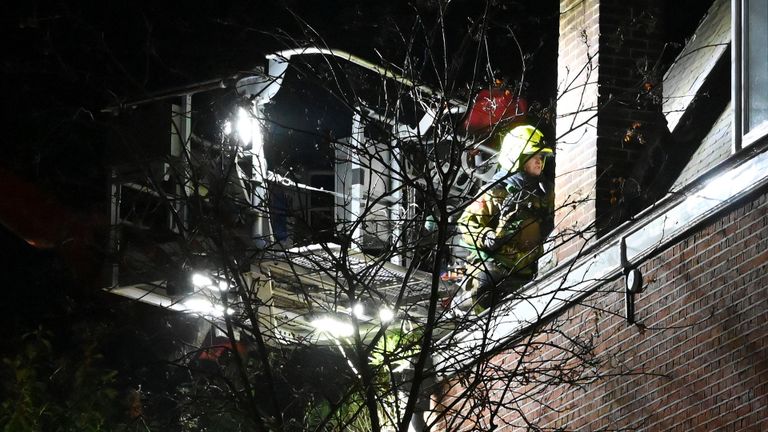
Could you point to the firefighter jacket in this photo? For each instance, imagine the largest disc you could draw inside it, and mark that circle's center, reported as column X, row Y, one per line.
column 516, row 215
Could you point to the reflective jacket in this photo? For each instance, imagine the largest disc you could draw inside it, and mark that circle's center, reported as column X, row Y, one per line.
column 519, row 211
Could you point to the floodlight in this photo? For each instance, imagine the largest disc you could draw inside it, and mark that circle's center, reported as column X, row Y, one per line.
column 358, row 310
column 205, row 307
column 333, row 327
column 200, row 280
column 386, row 315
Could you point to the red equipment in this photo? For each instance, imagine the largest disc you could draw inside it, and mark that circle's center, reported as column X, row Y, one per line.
column 491, row 106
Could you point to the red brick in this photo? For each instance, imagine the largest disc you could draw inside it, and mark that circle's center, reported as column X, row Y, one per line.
column 710, row 343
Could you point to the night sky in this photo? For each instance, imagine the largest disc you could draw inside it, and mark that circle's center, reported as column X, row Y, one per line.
column 62, row 62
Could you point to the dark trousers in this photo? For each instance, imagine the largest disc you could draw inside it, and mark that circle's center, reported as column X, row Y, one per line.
column 490, row 283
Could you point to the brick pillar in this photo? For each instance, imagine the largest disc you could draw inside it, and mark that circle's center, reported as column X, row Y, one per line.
column 606, row 83
column 577, row 77
column 631, row 44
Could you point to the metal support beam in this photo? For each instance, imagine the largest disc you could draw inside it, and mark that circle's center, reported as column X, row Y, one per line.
column 262, row 230
column 115, row 191
column 181, row 132
column 398, row 210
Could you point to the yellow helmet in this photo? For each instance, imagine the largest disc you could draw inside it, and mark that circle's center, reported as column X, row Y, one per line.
column 519, row 144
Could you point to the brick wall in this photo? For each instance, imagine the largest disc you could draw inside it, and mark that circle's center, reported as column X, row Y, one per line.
column 576, row 170
column 608, row 79
column 631, row 43
column 698, row 360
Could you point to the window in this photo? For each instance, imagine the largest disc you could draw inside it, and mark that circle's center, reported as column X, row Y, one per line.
column 754, row 73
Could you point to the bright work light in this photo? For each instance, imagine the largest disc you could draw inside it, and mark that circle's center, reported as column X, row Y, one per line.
column 333, row 327
column 358, row 310
column 245, row 126
column 200, row 280
column 205, row 307
column 386, row 315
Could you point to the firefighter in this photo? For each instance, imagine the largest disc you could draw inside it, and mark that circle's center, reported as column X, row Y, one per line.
column 505, row 227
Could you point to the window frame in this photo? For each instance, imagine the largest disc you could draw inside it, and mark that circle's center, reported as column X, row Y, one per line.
column 740, row 63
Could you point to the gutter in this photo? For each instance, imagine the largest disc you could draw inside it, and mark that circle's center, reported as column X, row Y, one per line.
column 271, row 82
column 285, row 56
column 214, row 84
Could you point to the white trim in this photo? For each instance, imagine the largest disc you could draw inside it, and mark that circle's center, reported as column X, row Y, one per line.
column 736, row 74
column 755, row 134
column 741, row 30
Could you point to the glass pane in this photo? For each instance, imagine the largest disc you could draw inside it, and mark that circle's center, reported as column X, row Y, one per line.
column 756, row 82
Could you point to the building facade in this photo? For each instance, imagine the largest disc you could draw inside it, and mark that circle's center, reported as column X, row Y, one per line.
column 660, row 289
